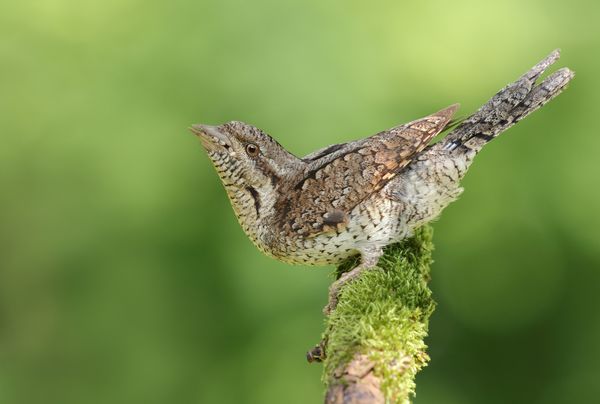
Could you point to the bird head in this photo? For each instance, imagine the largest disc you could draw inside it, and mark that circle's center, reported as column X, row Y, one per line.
column 244, row 156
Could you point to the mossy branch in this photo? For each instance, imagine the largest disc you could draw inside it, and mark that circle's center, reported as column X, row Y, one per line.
column 375, row 335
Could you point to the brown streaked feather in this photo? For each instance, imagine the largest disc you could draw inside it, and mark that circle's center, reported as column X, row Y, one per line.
column 340, row 177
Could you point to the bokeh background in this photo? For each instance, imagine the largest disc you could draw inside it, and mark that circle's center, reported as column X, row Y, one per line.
column 124, row 277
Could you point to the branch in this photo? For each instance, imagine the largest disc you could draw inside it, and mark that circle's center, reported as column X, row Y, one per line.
column 375, row 335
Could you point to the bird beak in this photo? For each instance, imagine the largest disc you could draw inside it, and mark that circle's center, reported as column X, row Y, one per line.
column 211, row 137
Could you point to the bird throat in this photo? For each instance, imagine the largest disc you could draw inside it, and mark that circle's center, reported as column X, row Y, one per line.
column 252, row 207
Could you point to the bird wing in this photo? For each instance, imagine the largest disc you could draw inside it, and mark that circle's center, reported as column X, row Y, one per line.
column 339, row 177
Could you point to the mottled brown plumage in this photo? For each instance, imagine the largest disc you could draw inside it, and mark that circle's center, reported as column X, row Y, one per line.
column 340, row 177
column 357, row 197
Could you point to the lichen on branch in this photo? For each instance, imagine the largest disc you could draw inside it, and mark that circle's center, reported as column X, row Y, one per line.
column 375, row 336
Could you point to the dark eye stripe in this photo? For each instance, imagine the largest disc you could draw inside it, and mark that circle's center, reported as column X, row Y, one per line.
column 256, row 197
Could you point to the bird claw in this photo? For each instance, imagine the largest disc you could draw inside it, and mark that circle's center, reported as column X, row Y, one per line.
column 331, row 305
column 336, row 288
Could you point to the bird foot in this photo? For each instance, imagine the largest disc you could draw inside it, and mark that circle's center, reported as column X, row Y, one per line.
column 336, row 287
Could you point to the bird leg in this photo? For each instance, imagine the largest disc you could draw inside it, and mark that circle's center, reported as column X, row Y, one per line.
column 370, row 257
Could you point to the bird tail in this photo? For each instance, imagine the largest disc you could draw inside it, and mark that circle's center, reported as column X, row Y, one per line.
column 511, row 104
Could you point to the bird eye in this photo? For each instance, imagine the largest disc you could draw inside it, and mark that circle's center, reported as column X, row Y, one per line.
column 252, row 149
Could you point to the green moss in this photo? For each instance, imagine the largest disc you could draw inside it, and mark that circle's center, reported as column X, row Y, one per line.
column 384, row 314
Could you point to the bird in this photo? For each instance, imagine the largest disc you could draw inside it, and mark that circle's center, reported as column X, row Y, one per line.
column 355, row 198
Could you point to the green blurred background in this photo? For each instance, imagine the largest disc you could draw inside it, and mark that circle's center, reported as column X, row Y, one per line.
column 124, row 276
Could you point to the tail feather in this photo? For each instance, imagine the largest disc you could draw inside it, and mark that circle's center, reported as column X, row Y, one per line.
column 511, row 104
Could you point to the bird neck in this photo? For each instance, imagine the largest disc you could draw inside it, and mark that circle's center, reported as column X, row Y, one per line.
column 254, row 208
column 255, row 205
